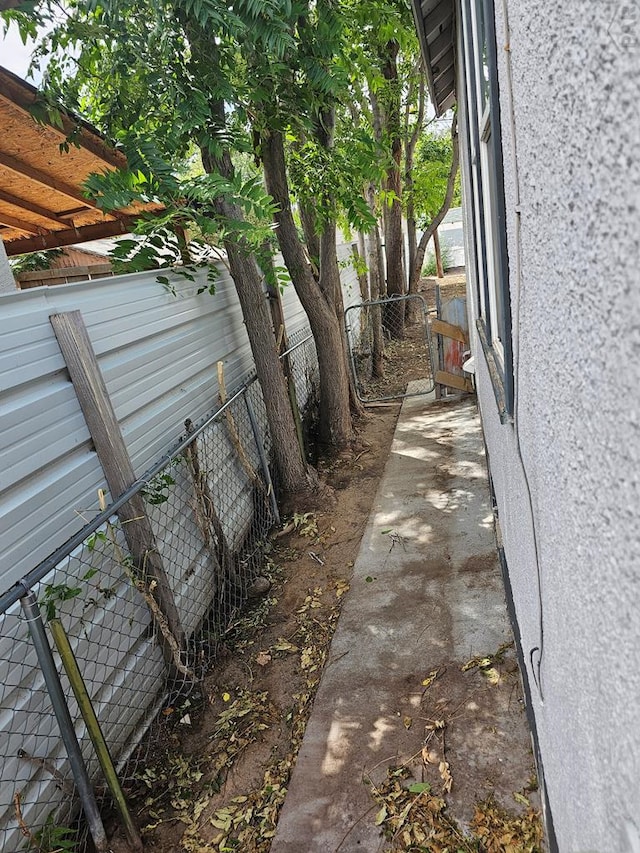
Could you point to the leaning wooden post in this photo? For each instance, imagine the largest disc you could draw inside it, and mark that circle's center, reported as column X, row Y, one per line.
column 88, row 382
column 438, row 253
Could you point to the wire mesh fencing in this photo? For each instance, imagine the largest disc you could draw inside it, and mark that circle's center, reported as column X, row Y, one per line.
column 390, row 347
column 144, row 630
column 303, row 363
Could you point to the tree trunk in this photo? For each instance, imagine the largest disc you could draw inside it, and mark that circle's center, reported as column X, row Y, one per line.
column 392, row 184
column 265, row 261
column 292, row 472
column 440, row 215
column 376, row 117
column 360, row 252
column 412, row 239
column 331, row 285
column 410, row 147
column 375, row 287
column 329, row 268
column 335, row 417
column 311, row 236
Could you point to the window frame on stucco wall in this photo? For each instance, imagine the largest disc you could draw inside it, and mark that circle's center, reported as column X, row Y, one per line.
column 482, row 109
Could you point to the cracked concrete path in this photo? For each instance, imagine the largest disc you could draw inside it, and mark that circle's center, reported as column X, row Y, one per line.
column 426, row 595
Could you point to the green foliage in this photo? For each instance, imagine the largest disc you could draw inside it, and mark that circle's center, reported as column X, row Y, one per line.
column 34, row 261
column 356, row 262
column 56, row 594
column 52, row 838
column 166, row 78
column 152, row 76
column 333, row 179
column 430, row 268
column 430, row 174
column 279, row 277
column 157, row 489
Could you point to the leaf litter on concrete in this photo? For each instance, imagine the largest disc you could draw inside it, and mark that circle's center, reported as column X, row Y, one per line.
column 417, row 800
column 414, row 818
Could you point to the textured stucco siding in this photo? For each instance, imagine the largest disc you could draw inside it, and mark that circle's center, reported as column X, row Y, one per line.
column 7, row 281
column 570, row 131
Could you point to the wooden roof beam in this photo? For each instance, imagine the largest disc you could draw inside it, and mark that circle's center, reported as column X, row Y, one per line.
column 55, row 239
column 43, row 212
column 73, row 211
column 14, row 222
column 33, row 174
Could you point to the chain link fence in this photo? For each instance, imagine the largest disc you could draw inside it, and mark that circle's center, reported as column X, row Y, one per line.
column 390, row 346
column 144, row 635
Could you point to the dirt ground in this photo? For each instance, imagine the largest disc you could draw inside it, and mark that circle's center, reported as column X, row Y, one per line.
column 407, row 360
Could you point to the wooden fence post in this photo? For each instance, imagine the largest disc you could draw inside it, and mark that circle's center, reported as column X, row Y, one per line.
column 88, row 382
column 438, row 253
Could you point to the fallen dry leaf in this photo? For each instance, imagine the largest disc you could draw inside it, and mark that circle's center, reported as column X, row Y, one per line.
column 428, row 681
column 429, row 756
column 445, row 775
column 283, row 645
column 263, row 658
column 342, row 586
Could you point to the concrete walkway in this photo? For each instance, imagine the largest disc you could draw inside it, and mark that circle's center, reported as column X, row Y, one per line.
column 426, row 594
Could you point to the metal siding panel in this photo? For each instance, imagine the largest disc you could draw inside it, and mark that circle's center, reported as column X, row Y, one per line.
column 44, row 432
column 42, row 511
column 130, row 319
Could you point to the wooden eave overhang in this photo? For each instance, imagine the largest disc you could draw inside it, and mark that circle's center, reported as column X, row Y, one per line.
column 42, row 201
column 435, row 22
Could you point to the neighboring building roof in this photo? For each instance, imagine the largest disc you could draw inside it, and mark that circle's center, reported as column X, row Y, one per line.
column 436, row 25
column 453, row 215
column 42, row 203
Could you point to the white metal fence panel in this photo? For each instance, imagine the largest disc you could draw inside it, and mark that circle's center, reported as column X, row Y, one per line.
column 158, row 353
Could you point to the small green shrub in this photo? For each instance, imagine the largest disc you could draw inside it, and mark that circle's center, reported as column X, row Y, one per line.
column 429, row 266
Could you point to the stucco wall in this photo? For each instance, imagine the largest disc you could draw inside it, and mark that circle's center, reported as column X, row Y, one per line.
column 572, row 186
column 7, row 281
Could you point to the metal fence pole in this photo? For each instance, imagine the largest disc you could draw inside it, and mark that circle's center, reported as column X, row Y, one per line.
column 33, row 616
column 263, row 457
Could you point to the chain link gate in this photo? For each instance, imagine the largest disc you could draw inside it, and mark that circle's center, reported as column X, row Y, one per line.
column 390, row 346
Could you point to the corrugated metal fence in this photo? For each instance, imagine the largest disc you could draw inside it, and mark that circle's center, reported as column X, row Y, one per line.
column 207, row 503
